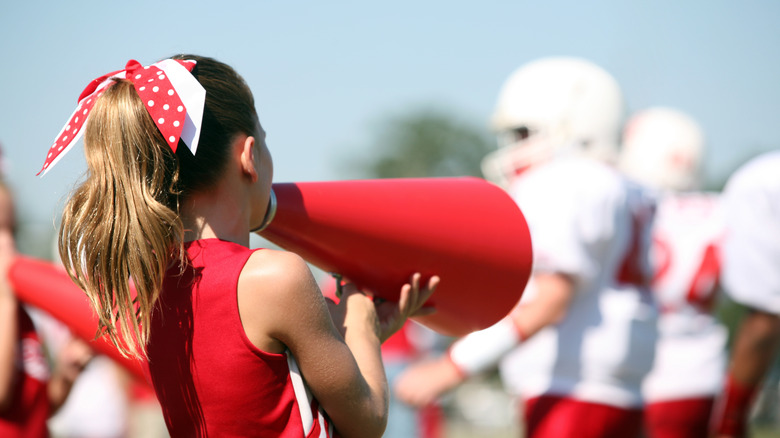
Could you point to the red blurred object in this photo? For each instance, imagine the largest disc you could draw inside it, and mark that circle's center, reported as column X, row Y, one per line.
column 46, row 286
column 378, row 232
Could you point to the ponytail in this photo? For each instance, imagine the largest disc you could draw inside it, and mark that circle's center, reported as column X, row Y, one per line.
column 122, row 223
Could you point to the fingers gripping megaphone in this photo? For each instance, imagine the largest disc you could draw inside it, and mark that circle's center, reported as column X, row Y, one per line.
column 378, row 232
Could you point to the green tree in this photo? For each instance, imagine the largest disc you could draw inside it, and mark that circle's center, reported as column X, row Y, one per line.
column 427, row 142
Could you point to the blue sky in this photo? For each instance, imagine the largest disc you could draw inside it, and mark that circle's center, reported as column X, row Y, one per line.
column 324, row 72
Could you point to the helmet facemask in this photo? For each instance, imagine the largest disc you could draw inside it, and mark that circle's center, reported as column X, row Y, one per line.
column 551, row 108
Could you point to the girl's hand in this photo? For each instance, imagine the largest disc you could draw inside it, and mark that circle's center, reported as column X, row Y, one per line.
column 355, row 310
column 393, row 315
column 382, row 317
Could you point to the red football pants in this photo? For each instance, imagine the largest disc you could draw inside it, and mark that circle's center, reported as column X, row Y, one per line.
column 551, row 416
column 689, row 418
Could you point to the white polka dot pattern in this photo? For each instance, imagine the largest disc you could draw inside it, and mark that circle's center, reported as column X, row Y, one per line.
column 157, row 103
column 160, row 106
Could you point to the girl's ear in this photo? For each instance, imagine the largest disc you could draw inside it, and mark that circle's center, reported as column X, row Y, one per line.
column 248, row 157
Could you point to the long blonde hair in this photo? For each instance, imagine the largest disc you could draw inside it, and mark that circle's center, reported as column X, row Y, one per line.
column 122, row 223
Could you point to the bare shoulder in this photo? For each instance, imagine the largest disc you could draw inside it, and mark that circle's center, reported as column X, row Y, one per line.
column 279, row 275
column 275, row 289
column 276, row 266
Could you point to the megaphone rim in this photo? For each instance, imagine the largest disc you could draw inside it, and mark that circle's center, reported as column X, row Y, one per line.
column 270, row 213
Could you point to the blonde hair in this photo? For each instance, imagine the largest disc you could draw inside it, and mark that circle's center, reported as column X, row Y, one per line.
column 122, row 223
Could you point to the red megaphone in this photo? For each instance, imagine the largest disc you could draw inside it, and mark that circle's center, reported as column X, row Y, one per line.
column 378, row 232
column 48, row 287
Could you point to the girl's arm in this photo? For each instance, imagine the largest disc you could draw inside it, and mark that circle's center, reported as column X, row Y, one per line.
column 9, row 337
column 281, row 306
column 9, row 328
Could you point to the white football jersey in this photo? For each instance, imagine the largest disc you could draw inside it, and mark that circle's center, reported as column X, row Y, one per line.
column 590, row 223
column 690, row 354
column 751, row 248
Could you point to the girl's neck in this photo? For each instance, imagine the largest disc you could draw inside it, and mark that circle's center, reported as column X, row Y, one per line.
column 218, row 214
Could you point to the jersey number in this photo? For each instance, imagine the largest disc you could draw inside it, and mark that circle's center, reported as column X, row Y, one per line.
column 704, row 284
column 633, row 270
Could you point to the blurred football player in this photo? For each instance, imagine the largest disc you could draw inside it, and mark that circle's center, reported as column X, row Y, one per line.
column 751, row 276
column 577, row 346
column 663, row 149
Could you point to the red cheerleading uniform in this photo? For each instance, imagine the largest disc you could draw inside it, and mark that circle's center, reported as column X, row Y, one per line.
column 208, row 376
column 26, row 418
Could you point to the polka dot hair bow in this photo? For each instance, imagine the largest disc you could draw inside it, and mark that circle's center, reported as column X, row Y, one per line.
column 172, row 96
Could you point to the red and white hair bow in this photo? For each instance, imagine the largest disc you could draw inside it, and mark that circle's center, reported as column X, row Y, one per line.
column 172, row 96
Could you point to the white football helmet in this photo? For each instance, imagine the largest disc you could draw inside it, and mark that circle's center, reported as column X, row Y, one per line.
column 663, row 148
column 550, row 107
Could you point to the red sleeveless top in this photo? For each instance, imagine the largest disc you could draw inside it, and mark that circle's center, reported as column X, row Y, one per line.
column 209, row 378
